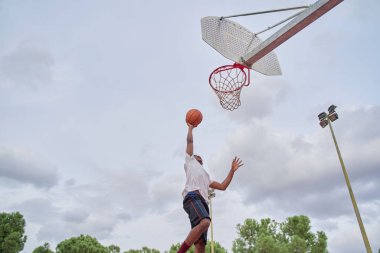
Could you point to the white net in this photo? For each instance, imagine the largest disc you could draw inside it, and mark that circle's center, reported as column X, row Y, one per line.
column 227, row 82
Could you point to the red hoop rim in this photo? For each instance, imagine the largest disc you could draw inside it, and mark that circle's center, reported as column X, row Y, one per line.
column 229, row 67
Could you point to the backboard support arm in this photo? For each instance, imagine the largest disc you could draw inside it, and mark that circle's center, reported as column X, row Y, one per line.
column 265, row 12
column 304, row 19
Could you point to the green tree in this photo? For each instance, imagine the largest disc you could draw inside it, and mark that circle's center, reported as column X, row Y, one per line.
column 81, row 244
column 12, row 229
column 217, row 248
column 269, row 236
column 143, row 250
column 113, row 249
column 175, row 247
column 43, row 249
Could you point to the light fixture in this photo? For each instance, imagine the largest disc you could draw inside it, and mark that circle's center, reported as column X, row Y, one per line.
column 331, row 109
column 333, row 116
column 323, row 123
column 323, row 119
column 322, row 115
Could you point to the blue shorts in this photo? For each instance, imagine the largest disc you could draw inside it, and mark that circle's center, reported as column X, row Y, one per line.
column 197, row 209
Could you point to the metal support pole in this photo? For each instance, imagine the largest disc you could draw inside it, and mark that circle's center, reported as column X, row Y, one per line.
column 279, row 23
column 362, row 230
column 264, row 12
column 211, row 194
column 308, row 16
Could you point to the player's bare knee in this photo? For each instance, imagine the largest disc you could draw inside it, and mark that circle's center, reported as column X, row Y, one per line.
column 205, row 223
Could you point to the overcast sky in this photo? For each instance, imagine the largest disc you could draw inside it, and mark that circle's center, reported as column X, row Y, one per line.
column 93, row 97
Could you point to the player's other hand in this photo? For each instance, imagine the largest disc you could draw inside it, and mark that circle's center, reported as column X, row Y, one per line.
column 236, row 164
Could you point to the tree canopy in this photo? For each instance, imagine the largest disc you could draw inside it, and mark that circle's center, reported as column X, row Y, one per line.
column 294, row 235
column 143, row 250
column 269, row 236
column 43, row 249
column 12, row 229
column 81, row 244
column 217, row 248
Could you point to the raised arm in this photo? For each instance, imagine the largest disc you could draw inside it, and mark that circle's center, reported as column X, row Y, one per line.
column 236, row 164
column 189, row 140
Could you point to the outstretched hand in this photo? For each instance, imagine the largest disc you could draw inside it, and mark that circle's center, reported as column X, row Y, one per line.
column 236, row 164
column 190, row 125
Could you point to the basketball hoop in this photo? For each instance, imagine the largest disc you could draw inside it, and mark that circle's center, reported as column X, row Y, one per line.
column 234, row 41
column 248, row 51
column 227, row 82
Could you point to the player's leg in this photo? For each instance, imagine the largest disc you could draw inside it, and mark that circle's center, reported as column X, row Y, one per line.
column 200, row 247
column 195, row 236
column 197, row 209
column 197, row 231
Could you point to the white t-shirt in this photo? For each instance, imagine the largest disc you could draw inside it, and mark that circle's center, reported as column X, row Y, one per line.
column 197, row 177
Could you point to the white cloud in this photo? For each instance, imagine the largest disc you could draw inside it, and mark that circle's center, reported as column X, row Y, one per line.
column 27, row 66
column 260, row 98
column 287, row 173
column 26, row 166
column 279, row 162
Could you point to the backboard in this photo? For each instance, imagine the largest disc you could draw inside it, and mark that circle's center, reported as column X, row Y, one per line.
column 234, row 41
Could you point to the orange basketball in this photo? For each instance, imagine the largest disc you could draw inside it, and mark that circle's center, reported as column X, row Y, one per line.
column 194, row 117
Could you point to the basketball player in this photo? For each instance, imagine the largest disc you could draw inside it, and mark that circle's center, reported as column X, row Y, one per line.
column 196, row 194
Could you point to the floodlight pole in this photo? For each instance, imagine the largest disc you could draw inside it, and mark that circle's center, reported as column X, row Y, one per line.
column 211, row 194
column 358, row 217
column 356, row 209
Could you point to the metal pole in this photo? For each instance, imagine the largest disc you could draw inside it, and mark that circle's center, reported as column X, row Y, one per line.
column 210, row 196
column 279, row 23
column 362, row 230
column 297, row 24
column 264, row 12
